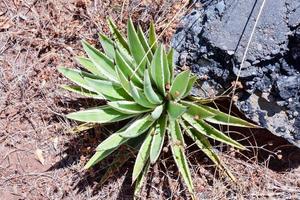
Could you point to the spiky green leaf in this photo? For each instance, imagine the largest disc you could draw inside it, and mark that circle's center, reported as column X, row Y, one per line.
column 171, row 63
column 139, row 97
column 77, row 76
column 102, row 114
column 117, row 35
column 110, row 90
column 144, row 42
column 82, row 91
column 152, row 96
column 136, row 48
column 157, row 70
column 197, row 111
column 175, row 110
column 225, row 119
column 138, row 127
column 103, row 63
column 210, row 131
column 127, row 107
column 158, row 138
column 190, row 85
column 127, row 70
column 152, row 37
column 177, row 147
column 142, row 156
column 107, row 45
column 89, row 65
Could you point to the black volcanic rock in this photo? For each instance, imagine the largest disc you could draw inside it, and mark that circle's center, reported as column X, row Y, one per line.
column 212, row 40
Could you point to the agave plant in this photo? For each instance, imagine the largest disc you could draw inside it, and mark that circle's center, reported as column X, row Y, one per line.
column 135, row 75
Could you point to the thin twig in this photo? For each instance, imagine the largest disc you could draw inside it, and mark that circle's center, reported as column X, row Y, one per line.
column 244, row 56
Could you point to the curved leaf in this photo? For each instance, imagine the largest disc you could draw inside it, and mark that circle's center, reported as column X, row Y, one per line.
column 177, row 148
column 152, row 37
column 89, row 65
column 190, row 85
column 136, row 48
column 77, row 76
column 102, row 114
column 156, row 113
column 211, row 132
column 203, row 143
column 142, row 156
column 82, row 91
column 127, row 70
column 225, row 119
column 170, row 57
column 117, row 34
column 139, row 97
column 144, row 42
column 197, row 110
column 138, row 127
column 158, row 138
column 140, row 179
column 110, row 90
column 180, row 84
column 104, row 64
column 127, row 107
column 152, row 96
column 175, row 110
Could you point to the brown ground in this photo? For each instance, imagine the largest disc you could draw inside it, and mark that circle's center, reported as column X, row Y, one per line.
column 40, row 159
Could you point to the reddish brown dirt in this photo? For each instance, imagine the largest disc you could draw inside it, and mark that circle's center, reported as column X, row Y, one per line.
column 35, row 37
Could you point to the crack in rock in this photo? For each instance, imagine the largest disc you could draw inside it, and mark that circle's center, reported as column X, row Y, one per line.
column 212, row 40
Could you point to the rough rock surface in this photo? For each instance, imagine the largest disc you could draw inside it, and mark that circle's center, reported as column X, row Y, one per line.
column 212, row 40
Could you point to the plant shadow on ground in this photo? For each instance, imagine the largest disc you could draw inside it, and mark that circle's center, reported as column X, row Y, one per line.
column 263, row 147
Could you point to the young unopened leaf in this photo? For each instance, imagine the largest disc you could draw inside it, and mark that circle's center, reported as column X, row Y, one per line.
column 152, row 37
column 180, row 84
column 166, row 71
column 170, row 57
column 190, row 85
column 156, row 113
